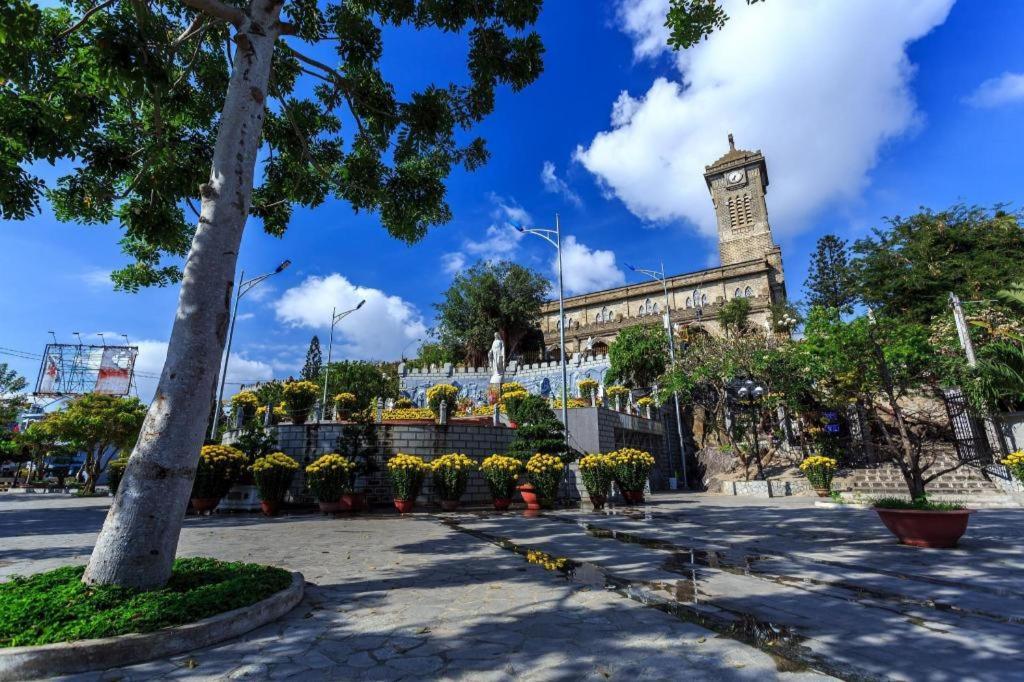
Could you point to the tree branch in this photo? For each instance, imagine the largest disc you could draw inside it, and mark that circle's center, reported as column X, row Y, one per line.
column 334, row 76
column 218, row 10
column 85, row 18
column 193, row 29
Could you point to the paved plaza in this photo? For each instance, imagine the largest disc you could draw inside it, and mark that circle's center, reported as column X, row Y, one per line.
column 689, row 587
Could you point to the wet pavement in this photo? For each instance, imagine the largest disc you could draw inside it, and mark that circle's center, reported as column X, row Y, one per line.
column 412, row 598
column 820, row 588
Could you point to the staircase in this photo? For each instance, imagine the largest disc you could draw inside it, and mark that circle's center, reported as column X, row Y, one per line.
column 886, row 480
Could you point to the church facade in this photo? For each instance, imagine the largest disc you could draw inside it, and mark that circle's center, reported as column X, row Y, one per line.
column 751, row 268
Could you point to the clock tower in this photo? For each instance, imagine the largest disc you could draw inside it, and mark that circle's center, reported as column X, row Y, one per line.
column 738, row 182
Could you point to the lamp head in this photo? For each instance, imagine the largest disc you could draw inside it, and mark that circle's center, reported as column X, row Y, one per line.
column 631, row 267
column 361, row 304
column 518, row 227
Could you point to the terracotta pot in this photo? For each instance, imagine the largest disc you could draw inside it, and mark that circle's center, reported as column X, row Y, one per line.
column 513, row 425
column 204, row 505
column 502, row 503
column 404, row 506
column 449, row 505
column 530, row 496
column 598, row 501
column 332, row 507
column 633, row 496
column 299, row 419
column 822, row 492
column 270, row 508
column 938, row 529
column 353, row 502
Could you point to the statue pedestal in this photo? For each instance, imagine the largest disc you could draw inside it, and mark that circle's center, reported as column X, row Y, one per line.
column 494, row 389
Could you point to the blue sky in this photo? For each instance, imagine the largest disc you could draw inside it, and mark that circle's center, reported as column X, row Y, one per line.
column 863, row 110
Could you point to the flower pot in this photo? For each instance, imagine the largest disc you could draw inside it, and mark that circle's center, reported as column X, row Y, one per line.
column 299, row 418
column 204, row 505
column 502, row 503
column 404, row 506
column 353, row 502
column 332, row 507
column 530, row 496
column 513, row 425
column 598, row 501
column 823, row 492
column 919, row 528
column 633, row 496
column 449, row 505
column 270, row 507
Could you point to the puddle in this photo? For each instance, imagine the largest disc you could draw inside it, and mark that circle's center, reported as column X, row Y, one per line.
column 680, row 598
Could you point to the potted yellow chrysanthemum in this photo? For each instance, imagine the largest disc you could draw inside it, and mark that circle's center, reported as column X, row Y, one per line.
column 544, row 473
column 597, row 474
column 501, row 474
column 819, row 471
column 328, row 478
column 631, row 468
column 273, row 474
column 218, row 467
column 406, row 473
column 450, row 474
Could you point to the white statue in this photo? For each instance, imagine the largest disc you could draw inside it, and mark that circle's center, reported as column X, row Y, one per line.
column 588, row 345
column 496, row 357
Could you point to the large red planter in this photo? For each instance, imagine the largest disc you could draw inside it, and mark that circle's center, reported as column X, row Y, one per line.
column 502, row 503
column 204, row 505
column 633, row 496
column 598, row 501
column 530, row 496
column 354, row 502
column 918, row 528
column 270, row 507
column 404, row 506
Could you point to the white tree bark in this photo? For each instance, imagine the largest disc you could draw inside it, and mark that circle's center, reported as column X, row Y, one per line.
column 137, row 545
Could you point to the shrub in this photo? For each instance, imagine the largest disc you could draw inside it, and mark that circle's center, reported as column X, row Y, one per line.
column 404, row 403
column 1015, row 463
column 613, row 392
column 219, row 467
column 439, row 393
column 646, row 401
column 631, row 468
column 56, row 606
column 406, row 472
column 345, row 401
column 450, row 474
column 597, row 474
column 544, row 472
column 819, row 470
column 273, row 474
column 115, row 472
column 329, row 477
column 512, row 387
column 299, row 399
column 588, row 388
column 921, row 503
column 501, row 474
column 245, row 400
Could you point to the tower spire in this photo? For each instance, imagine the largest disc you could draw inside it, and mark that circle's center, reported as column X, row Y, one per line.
column 732, row 143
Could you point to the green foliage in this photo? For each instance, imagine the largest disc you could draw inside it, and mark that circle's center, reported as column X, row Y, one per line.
column 11, row 399
column 100, row 425
column 255, row 441
column 733, row 316
column 538, row 430
column 907, row 271
column 830, row 281
column 367, row 381
column 57, row 606
column 489, row 297
column 529, row 409
column 691, row 21
column 434, row 354
column 314, row 361
column 638, row 356
column 442, row 393
column 299, row 399
column 115, row 472
column 132, row 97
column 921, row 503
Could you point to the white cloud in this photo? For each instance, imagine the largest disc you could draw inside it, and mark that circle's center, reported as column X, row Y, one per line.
column 585, row 269
column 150, row 363
column 241, row 317
column 97, row 279
column 556, row 185
column 994, row 92
column 453, row 262
column 378, row 331
column 819, row 86
column 500, row 240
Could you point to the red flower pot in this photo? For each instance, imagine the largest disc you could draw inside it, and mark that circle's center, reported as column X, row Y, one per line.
column 598, row 501
column 919, row 528
column 633, row 496
column 502, row 503
column 204, row 505
column 270, row 508
column 404, row 506
column 356, row 501
column 530, row 496
column 513, row 425
column 449, row 505
column 332, row 507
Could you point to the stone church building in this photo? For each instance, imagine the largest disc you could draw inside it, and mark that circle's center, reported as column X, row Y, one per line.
column 751, row 267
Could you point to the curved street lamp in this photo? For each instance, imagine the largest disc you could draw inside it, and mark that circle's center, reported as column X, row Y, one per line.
column 750, row 393
column 336, row 317
column 244, row 287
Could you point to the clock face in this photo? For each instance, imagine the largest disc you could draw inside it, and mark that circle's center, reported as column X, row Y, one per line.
column 734, row 176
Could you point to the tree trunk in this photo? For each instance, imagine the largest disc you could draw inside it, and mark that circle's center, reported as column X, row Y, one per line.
column 139, row 539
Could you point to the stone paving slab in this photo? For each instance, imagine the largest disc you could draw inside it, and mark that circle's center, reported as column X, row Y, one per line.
column 394, row 598
column 873, row 607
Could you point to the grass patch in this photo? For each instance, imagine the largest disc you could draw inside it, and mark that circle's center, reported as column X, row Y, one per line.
column 919, row 504
column 57, row 606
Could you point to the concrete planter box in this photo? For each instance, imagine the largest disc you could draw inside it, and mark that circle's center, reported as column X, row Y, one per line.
column 241, row 498
column 767, row 488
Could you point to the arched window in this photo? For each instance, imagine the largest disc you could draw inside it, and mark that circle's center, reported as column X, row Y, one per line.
column 689, row 302
column 737, row 293
column 605, row 315
column 656, row 310
column 696, row 297
column 703, row 299
column 748, row 292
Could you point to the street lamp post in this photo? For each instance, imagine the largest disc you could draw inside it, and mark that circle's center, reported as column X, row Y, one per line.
column 751, row 393
column 407, row 347
column 659, row 275
column 556, row 241
column 244, row 287
column 336, row 317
